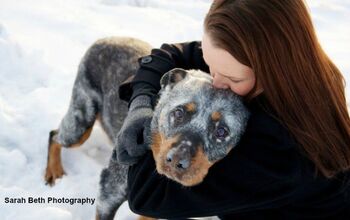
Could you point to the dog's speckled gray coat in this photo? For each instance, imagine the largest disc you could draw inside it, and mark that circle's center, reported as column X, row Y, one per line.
column 109, row 62
column 104, row 67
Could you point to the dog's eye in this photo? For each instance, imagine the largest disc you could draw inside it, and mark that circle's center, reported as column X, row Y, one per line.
column 221, row 132
column 179, row 114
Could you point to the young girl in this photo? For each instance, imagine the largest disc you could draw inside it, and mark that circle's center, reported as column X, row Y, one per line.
column 293, row 160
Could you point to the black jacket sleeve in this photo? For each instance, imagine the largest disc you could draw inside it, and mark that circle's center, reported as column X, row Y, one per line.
column 261, row 172
column 186, row 55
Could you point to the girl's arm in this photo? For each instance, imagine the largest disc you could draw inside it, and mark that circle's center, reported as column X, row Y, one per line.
column 152, row 67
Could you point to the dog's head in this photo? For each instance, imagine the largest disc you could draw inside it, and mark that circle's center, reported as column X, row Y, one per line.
column 194, row 125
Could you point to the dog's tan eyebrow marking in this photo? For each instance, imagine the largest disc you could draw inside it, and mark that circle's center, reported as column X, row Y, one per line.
column 190, row 107
column 216, row 116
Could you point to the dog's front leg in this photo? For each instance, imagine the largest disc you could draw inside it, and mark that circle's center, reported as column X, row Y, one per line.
column 112, row 189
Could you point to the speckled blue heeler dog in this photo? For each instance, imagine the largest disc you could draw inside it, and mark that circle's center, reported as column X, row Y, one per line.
column 194, row 125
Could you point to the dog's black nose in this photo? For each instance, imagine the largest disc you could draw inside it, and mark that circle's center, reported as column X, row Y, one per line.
column 179, row 157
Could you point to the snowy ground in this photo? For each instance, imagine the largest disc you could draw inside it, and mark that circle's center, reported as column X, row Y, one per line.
column 41, row 43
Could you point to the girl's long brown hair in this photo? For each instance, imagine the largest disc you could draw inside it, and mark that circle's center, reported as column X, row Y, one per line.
column 276, row 38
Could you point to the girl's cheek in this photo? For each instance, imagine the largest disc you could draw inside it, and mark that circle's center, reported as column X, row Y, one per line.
column 242, row 89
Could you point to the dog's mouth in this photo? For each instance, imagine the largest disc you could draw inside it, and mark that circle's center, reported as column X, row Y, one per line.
column 187, row 165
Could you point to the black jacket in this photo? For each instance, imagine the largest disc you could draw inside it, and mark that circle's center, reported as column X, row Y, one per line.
column 264, row 177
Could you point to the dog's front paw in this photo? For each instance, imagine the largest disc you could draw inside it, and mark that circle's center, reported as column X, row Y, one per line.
column 53, row 172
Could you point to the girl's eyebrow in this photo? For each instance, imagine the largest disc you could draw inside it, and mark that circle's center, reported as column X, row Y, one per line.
column 232, row 77
column 235, row 79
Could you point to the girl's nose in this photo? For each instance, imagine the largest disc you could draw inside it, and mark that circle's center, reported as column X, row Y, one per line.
column 219, row 82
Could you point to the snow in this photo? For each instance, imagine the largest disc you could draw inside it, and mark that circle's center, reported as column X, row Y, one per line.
column 41, row 44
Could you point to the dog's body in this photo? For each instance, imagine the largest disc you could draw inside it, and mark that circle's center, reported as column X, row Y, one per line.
column 194, row 125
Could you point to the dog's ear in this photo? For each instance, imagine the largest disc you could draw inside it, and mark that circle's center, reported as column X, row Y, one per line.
column 172, row 77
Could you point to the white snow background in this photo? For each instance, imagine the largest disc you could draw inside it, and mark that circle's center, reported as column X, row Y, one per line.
column 41, row 44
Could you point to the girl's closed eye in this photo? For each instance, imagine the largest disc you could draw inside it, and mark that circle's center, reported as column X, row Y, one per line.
column 236, row 81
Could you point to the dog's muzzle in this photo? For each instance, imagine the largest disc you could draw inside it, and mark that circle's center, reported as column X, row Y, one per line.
column 180, row 155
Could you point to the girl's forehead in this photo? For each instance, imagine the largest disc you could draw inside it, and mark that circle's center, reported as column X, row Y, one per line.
column 221, row 61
